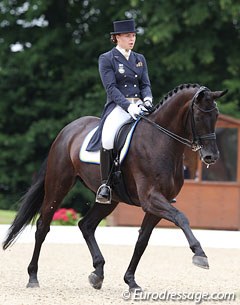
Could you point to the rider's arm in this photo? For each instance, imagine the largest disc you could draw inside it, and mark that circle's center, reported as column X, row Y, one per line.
column 108, row 78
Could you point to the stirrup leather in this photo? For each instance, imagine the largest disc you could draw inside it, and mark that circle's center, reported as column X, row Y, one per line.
column 101, row 199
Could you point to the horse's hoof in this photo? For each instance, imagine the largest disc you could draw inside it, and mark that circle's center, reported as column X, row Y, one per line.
column 95, row 281
column 136, row 289
column 33, row 285
column 200, row 261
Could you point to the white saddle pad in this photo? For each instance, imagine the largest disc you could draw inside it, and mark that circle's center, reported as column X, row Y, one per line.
column 94, row 156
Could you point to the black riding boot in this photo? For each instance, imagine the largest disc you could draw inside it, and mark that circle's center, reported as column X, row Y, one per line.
column 104, row 191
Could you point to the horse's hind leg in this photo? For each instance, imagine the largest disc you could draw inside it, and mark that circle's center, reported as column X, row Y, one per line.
column 88, row 226
column 57, row 185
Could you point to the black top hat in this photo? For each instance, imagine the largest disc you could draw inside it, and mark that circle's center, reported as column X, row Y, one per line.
column 124, row 26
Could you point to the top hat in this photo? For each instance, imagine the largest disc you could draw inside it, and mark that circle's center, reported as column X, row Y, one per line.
column 124, row 26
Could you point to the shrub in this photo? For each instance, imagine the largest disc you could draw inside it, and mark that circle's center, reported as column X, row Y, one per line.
column 65, row 217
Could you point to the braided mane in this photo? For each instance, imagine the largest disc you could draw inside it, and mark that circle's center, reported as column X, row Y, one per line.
column 174, row 91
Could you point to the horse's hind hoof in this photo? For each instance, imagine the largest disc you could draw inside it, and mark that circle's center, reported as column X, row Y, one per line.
column 200, row 261
column 95, row 280
column 33, row 285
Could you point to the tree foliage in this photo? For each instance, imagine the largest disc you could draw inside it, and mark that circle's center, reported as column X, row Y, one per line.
column 49, row 74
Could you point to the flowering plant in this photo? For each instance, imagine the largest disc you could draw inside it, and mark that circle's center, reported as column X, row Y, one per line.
column 65, row 217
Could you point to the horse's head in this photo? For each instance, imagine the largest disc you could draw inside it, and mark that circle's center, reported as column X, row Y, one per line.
column 204, row 113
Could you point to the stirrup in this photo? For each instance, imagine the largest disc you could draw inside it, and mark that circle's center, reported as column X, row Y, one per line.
column 101, row 199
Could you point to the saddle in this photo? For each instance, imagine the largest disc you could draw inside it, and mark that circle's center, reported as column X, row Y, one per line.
column 121, row 146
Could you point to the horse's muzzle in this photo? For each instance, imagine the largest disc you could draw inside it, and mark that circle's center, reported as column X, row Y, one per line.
column 209, row 158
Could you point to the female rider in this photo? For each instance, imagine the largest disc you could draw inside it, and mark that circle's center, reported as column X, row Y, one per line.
column 124, row 75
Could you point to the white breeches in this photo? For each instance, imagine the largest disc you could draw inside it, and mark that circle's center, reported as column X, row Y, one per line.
column 114, row 120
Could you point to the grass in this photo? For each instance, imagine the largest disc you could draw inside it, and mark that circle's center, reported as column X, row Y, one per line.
column 6, row 217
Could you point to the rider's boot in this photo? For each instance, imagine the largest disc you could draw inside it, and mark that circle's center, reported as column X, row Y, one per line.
column 104, row 191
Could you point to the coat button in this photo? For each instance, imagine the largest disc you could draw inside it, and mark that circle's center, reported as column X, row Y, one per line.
column 125, row 85
column 136, row 95
column 136, row 75
column 134, row 85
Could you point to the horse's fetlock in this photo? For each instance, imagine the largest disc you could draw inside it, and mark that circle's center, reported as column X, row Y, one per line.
column 128, row 277
column 98, row 265
column 32, row 269
column 197, row 249
column 99, row 262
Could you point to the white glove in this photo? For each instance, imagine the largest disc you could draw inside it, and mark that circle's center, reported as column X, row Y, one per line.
column 141, row 106
column 148, row 103
column 134, row 110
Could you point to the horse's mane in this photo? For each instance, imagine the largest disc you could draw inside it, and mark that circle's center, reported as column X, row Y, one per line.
column 174, row 91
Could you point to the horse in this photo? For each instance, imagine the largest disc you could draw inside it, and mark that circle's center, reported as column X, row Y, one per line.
column 152, row 171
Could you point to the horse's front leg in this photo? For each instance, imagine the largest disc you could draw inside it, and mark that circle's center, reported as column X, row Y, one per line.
column 159, row 206
column 88, row 226
column 149, row 222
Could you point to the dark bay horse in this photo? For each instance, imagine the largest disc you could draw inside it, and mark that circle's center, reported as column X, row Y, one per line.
column 152, row 170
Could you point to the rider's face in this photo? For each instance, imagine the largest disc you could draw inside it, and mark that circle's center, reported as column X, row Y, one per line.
column 126, row 41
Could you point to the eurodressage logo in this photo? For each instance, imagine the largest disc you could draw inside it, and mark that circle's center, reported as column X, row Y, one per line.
column 196, row 297
column 121, row 69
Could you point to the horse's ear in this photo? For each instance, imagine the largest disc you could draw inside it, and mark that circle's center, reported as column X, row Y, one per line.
column 200, row 95
column 218, row 94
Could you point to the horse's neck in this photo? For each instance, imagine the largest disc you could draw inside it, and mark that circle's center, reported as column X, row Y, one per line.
column 173, row 113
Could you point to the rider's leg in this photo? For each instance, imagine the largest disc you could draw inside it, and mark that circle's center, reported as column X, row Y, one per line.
column 104, row 192
column 112, row 123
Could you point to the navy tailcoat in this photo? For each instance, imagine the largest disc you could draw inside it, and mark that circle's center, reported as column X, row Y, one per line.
column 121, row 79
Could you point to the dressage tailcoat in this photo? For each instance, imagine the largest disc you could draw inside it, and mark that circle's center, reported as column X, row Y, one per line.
column 121, row 79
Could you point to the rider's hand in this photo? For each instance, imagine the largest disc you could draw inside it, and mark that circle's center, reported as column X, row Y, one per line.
column 143, row 108
column 148, row 103
column 134, row 111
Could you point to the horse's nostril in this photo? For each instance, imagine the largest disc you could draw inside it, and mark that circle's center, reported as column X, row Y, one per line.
column 210, row 159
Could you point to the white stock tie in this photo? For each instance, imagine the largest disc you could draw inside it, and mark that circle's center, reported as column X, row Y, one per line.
column 126, row 54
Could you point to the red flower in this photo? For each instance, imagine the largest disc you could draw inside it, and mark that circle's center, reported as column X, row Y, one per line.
column 65, row 216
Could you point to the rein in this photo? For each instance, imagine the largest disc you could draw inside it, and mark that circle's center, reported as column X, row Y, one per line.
column 195, row 144
column 168, row 132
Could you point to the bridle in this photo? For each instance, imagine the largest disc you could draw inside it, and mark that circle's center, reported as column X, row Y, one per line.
column 197, row 140
column 196, row 143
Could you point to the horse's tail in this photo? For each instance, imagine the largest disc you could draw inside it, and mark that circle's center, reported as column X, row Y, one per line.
column 30, row 205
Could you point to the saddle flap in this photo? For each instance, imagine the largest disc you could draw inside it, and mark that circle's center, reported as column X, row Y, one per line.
column 121, row 135
column 121, row 143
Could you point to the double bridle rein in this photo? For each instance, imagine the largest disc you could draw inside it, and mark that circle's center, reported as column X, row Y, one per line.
column 196, row 143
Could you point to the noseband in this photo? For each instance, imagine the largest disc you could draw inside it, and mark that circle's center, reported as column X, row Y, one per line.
column 196, row 143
